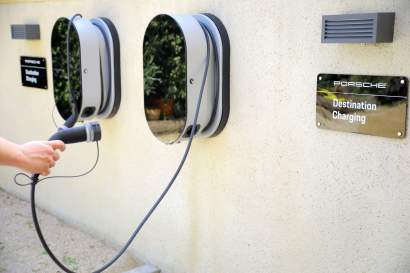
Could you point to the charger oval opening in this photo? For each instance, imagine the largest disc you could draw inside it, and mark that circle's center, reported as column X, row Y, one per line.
column 59, row 64
column 165, row 78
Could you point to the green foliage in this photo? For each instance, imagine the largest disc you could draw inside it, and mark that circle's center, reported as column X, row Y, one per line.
column 71, row 262
column 59, row 56
column 151, row 76
column 165, row 63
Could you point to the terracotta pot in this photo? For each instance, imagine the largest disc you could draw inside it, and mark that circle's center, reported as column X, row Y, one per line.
column 167, row 108
column 153, row 113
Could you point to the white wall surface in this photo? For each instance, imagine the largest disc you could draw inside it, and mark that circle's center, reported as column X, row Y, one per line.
column 272, row 193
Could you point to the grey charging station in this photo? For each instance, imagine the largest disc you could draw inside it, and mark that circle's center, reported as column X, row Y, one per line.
column 214, row 109
column 96, row 67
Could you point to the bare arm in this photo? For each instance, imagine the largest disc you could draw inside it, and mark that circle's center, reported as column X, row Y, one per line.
column 33, row 157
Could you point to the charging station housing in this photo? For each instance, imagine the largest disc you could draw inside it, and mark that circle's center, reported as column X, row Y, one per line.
column 94, row 57
column 214, row 110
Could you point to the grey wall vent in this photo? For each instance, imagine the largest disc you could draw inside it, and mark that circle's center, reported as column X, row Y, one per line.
column 25, row 32
column 358, row 28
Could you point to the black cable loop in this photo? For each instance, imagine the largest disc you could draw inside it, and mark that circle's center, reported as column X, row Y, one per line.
column 15, row 179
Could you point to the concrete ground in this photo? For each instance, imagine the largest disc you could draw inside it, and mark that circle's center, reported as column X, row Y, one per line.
column 21, row 251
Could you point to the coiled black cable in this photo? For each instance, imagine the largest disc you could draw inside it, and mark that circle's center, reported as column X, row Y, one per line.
column 35, row 181
column 217, row 69
column 16, row 177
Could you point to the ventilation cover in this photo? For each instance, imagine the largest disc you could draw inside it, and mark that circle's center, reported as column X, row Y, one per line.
column 358, row 28
column 25, row 32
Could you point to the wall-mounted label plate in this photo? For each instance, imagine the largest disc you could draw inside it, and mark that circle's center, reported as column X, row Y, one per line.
column 33, row 72
column 372, row 105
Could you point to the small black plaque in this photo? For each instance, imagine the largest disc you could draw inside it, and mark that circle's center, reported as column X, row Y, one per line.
column 372, row 105
column 33, row 72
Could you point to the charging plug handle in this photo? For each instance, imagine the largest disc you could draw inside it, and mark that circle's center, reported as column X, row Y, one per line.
column 89, row 132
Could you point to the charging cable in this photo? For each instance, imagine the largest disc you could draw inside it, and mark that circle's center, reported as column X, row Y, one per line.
column 35, row 181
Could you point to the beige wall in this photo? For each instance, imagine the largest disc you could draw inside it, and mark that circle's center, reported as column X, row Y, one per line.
column 272, row 193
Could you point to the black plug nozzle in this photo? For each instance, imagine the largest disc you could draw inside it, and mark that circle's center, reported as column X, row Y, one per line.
column 88, row 132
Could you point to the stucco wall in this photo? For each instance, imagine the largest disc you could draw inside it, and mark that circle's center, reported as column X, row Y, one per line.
column 272, row 193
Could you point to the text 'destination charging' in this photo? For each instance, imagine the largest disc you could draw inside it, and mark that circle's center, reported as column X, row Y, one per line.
column 352, row 118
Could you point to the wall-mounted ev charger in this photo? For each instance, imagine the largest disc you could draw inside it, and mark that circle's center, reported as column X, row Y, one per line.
column 175, row 52
column 93, row 57
column 86, row 77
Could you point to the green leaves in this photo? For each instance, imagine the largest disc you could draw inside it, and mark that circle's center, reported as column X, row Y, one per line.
column 152, row 74
column 59, row 57
column 165, row 63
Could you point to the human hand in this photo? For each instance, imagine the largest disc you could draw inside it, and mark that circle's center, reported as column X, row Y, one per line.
column 39, row 156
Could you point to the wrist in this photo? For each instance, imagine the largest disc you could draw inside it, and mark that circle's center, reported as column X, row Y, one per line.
column 18, row 158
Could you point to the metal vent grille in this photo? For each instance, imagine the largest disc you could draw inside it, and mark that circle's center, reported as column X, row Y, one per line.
column 25, row 32
column 358, row 28
column 349, row 29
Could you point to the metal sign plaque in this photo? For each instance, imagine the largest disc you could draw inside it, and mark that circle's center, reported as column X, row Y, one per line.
column 33, row 72
column 372, row 105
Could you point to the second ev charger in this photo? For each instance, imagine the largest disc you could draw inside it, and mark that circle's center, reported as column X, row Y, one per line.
column 206, row 104
column 194, row 30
